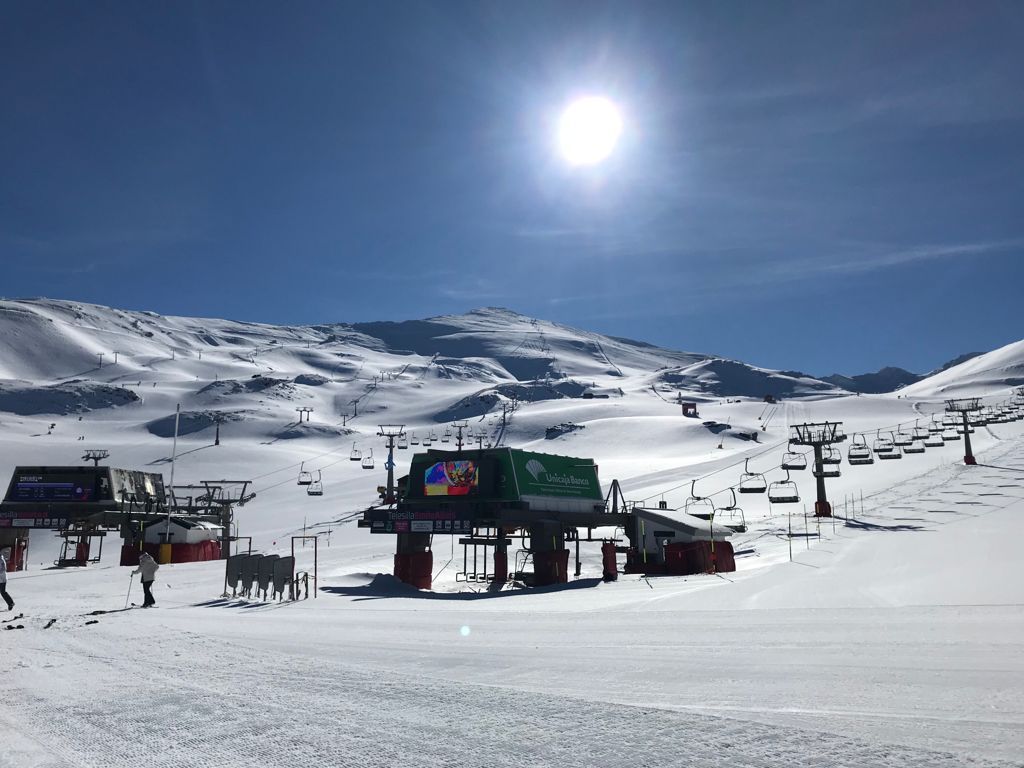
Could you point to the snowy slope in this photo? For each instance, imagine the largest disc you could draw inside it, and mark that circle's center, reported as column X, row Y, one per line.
column 1000, row 370
column 894, row 638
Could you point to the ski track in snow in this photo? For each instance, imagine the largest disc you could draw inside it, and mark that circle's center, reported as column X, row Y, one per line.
column 246, row 707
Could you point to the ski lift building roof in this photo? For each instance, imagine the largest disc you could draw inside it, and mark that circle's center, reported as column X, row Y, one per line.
column 183, row 531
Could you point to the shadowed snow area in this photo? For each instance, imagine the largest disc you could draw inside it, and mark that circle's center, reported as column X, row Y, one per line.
column 891, row 635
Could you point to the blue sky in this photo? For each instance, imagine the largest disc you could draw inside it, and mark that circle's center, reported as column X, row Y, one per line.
column 831, row 187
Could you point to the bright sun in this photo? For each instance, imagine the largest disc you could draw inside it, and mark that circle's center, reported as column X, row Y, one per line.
column 589, row 130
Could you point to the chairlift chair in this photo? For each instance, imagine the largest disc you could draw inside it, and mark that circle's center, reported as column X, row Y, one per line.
column 355, row 454
column 919, row 433
column 698, row 506
column 794, row 460
column 368, row 460
column 950, row 434
column 316, row 488
column 830, row 460
column 894, row 453
column 883, row 445
column 859, row 452
column 414, row 440
column 934, row 441
column 305, row 478
column 902, row 439
column 830, row 455
column 732, row 509
column 783, row 491
column 403, row 443
column 752, row 482
column 935, row 427
column 427, row 441
column 445, row 438
column 917, row 446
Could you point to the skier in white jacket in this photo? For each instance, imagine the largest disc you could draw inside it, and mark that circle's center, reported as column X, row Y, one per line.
column 4, row 554
column 148, row 568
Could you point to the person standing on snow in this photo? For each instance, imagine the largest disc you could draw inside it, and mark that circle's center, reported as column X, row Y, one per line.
column 4, row 554
column 148, row 568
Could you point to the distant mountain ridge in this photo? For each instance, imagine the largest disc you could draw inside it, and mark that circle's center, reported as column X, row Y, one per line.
column 890, row 378
column 493, row 354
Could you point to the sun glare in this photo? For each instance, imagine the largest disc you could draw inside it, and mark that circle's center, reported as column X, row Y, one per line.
column 589, row 130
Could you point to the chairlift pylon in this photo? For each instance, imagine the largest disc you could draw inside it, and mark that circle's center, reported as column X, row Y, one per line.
column 751, row 482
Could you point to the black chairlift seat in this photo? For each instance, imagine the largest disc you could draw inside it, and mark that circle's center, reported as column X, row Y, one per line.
column 793, row 460
column 414, row 440
column 305, row 478
column 950, row 435
column 783, row 492
column 919, row 433
column 368, row 460
column 859, row 454
column 884, row 445
column 934, row 441
column 902, row 439
column 315, row 489
column 915, row 447
column 752, row 482
column 356, row 454
column 830, row 455
column 827, row 470
column 895, row 453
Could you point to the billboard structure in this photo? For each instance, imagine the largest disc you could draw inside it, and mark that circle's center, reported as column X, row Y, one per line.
column 464, row 492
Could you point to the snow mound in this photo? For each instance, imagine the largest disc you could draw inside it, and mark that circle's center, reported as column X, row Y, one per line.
column 76, row 396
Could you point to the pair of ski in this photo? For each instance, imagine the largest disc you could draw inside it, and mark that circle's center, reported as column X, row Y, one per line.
column 15, row 626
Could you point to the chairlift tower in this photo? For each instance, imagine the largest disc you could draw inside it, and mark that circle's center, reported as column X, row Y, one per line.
column 390, row 432
column 459, row 426
column 964, row 407
column 95, row 456
column 817, row 436
column 218, row 419
column 304, row 410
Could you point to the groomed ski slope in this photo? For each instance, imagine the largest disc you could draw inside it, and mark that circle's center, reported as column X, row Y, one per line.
column 895, row 640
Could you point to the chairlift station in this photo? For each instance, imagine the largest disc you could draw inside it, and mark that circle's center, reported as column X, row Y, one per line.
column 488, row 496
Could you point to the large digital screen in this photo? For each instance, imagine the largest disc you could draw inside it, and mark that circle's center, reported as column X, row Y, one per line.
column 452, row 478
column 84, row 486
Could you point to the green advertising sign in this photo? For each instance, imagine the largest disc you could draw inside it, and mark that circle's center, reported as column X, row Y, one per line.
column 543, row 474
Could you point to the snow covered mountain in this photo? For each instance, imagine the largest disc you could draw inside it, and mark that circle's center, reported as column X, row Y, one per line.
column 45, row 342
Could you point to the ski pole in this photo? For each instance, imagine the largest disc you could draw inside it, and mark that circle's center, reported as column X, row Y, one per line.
column 131, row 580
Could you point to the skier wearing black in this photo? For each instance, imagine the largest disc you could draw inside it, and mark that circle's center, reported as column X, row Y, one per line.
column 4, row 554
column 148, row 568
